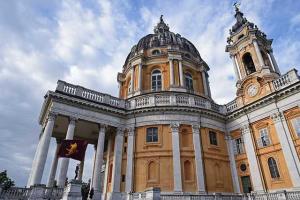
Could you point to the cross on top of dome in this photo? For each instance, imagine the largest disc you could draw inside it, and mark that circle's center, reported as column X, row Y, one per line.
column 161, row 27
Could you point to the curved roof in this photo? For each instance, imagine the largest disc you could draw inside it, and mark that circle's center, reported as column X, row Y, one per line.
column 163, row 37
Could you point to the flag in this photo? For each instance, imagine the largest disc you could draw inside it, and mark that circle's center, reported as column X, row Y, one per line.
column 73, row 149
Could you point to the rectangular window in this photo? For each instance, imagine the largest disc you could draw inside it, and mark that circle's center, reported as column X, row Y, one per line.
column 264, row 139
column 296, row 125
column 152, row 134
column 239, row 146
column 213, row 138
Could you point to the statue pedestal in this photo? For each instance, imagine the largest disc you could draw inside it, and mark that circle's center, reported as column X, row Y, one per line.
column 73, row 191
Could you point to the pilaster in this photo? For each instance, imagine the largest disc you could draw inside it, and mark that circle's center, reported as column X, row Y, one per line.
column 130, row 163
column 288, row 148
column 251, row 155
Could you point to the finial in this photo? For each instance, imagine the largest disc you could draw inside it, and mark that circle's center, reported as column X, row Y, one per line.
column 237, row 6
column 161, row 18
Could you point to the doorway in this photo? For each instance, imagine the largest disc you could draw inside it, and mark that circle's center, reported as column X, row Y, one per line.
column 246, row 184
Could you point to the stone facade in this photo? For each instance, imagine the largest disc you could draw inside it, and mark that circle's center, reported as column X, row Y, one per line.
column 165, row 131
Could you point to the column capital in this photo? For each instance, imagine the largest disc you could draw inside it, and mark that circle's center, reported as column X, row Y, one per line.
column 277, row 117
column 228, row 137
column 196, row 128
column 245, row 128
column 175, row 126
column 102, row 126
column 130, row 130
column 120, row 131
column 51, row 116
column 72, row 120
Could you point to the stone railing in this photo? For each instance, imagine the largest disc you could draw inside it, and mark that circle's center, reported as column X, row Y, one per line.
column 90, row 95
column 286, row 79
column 142, row 101
column 173, row 99
column 15, row 193
column 231, row 106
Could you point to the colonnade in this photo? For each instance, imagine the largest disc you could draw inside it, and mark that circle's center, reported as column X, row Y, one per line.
column 44, row 142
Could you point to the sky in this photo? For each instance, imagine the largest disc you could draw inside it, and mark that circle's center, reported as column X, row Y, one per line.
column 86, row 42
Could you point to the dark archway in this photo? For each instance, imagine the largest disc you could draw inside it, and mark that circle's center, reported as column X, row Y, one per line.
column 248, row 63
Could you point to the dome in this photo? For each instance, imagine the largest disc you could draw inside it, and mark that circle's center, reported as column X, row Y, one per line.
column 162, row 37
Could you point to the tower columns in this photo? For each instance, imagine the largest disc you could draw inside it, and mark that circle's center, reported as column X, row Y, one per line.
column 96, row 184
column 171, row 72
column 235, row 178
column 42, row 151
column 181, row 75
column 198, row 158
column 258, row 53
column 176, row 157
column 65, row 161
column 288, row 148
column 253, row 164
column 107, row 164
column 236, row 68
column 273, row 60
column 129, row 168
column 53, row 169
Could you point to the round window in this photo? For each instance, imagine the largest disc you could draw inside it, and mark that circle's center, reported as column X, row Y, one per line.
column 243, row 167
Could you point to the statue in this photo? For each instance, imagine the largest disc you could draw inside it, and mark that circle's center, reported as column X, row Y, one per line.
column 237, row 6
column 161, row 18
column 76, row 171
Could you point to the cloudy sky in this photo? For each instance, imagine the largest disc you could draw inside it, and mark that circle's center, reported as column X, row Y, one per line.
column 86, row 42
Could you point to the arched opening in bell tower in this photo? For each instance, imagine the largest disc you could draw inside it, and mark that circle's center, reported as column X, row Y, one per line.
column 248, row 63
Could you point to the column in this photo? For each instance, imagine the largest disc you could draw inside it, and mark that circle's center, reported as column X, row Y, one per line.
column 198, row 158
column 274, row 62
column 94, row 161
column 81, row 166
column 171, row 72
column 204, row 83
column 132, row 79
column 288, row 148
column 176, row 157
column 253, row 164
column 53, row 169
column 272, row 65
column 207, row 84
column 235, row 67
column 181, row 75
column 140, row 77
column 34, row 161
column 258, row 53
column 235, row 178
column 129, row 168
column 117, row 162
column 65, row 161
column 96, row 184
column 44, row 143
column 107, row 164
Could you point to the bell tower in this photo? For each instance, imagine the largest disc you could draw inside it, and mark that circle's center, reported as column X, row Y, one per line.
column 252, row 56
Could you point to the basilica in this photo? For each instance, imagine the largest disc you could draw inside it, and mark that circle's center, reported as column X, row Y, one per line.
column 166, row 133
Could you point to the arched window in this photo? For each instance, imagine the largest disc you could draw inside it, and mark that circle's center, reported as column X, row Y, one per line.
column 187, row 170
column 189, row 81
column 248, row 63
column 156, row 80
column 273, row 168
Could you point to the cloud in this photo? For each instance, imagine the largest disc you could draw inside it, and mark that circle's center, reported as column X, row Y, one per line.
column 86, row 43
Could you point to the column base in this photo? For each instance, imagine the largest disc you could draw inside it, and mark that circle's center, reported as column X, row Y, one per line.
column 98, row 195
column 73, row 191
column 37, row 192
column 114, row 196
